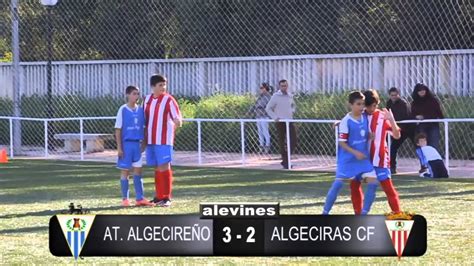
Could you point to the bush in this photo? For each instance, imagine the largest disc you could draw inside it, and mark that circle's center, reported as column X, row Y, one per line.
column 219, row 136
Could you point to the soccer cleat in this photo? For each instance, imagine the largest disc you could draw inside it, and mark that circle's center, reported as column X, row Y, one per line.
column 422, row 169
column 165, row 203
column 125, row 203
column 144, row 202
column 155, row 200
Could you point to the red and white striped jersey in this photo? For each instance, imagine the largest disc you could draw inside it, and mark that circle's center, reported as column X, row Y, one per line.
column 159, row 115
column 379, row 151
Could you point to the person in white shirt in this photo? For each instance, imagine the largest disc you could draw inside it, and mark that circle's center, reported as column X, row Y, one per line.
column 281, row 106
column 430, row 159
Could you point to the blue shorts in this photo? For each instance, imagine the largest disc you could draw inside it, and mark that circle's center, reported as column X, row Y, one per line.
column 354, row 169
column 158, row 154
column 382, row 174
column 132, row 155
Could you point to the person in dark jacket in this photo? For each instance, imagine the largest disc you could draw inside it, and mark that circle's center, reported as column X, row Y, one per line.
column 401, row 111
column 426, row 106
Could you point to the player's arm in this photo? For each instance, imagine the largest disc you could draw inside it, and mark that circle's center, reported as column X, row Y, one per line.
column 176, row 113
column 118, row 133
column 118, row 139
column 145, row 132
column 393, row 124
column 359, row 155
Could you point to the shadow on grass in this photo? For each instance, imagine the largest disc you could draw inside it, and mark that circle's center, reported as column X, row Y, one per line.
column 442, row 194
column 24, row 230
column 99, row 180
column 54, row 212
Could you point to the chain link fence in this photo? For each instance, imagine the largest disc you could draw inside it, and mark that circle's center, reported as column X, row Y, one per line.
column 216, row 54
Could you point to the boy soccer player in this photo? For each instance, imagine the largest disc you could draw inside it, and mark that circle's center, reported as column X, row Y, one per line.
column 430, row 159
column 128, row 134
column 353, row 153
column 162, row 116
column 381, row 123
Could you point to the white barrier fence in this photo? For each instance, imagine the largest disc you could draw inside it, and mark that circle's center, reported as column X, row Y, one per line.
column 206, row 153
column 445, row 72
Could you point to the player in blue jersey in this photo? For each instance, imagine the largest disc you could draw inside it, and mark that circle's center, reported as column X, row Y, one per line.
column 353, row 149
column 129, row 133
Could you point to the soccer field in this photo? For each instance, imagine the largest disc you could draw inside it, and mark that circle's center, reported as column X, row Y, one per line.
column 31, row 191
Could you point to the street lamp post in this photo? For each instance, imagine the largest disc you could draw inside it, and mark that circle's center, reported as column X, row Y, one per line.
column 16, row 77
column 49, row 4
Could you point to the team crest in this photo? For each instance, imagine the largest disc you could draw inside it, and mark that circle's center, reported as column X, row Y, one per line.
column 75, row 229
column 399, row 231
column 362, row 132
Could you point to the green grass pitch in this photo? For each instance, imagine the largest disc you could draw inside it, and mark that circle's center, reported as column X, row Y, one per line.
column 31, row 191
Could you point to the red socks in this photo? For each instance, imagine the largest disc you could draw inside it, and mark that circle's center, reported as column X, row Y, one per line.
column 163, row 184
column 357, row 196
column 392, row 195
column 157, row 188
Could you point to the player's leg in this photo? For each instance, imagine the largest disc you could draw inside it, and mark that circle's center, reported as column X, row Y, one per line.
column 137, row 165
column 124, row 187
column 152, row 160
column 165, row 174
column 357, row 196
column 370, row 191
column 124, row 163
column 385, row 179
column 344, row 172
column 333, row 192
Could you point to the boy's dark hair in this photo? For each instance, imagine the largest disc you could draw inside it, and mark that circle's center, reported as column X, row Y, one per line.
column 420, row 136
column 282, row 81
column 371, row 97
column 355, row 95
column 155, row 79
column 130, row 89
column 393, row 89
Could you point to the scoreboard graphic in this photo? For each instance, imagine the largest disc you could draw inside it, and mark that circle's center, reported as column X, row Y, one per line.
column 236, row 229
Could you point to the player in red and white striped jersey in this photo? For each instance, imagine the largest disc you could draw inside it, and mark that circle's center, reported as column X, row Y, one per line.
column 380, row 127
column 381, row 124
column 162, row 117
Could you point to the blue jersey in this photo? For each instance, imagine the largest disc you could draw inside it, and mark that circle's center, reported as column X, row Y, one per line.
column 132, row 122
column 356, row 134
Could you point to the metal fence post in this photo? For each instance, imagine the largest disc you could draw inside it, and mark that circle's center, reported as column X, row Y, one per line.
column 242, row 142
column 81, row 137
column 446, row 144
column 11, row 137
column 288, row 145
column 199, row 143
column 46, row 138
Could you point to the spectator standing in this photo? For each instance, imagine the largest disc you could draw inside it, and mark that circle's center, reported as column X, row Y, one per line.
column 258, row 110
column 426, row 106
column 401, row 111
column 282, row 106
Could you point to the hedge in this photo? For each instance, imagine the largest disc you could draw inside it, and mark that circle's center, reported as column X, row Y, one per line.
column 219, row 136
